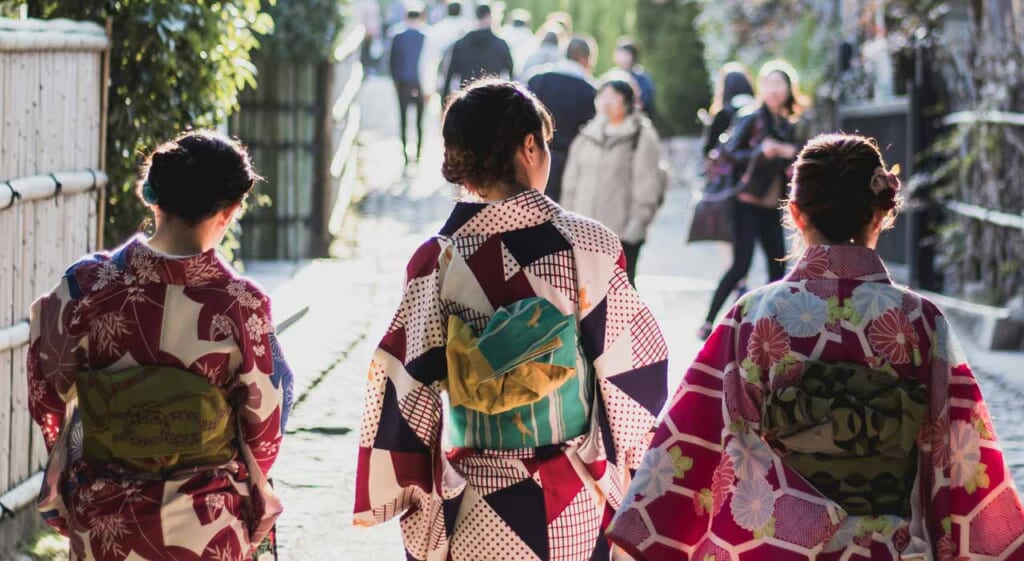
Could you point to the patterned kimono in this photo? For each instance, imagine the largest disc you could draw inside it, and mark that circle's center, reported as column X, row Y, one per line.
column 830, row 416
column 112, row 312
column 540, row 481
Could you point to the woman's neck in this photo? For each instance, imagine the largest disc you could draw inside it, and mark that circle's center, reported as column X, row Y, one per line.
column 175, row 238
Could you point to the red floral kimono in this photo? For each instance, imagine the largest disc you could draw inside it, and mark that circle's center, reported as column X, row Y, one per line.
column 831, row 416
column 132, row 307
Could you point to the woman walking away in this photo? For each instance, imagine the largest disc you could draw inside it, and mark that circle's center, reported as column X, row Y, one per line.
column 554, row 369
column 761, row 149
column 831, row 415
column 158, row 382
column 613, row 174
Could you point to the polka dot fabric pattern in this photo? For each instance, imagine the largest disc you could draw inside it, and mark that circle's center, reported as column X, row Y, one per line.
column 712, row 484
column 548, row 504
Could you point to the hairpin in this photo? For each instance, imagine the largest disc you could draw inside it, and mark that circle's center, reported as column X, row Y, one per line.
column 149, row 194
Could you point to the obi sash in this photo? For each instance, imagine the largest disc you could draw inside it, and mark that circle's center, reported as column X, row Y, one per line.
column 851, row 432
column 516, row 385
column 154, row 420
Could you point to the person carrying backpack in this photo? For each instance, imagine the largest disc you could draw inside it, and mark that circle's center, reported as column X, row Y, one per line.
column 614, row 173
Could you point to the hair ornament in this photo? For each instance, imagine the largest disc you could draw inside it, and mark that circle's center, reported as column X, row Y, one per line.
column 882, row 179
column 149, row 194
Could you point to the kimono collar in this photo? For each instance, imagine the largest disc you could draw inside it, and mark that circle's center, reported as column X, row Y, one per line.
column 833, row 262
column 525, row 210
column 147, row 264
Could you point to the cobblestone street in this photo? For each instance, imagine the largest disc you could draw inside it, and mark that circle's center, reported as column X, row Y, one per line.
column 356, row 293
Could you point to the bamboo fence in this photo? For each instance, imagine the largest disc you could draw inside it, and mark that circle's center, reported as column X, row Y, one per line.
column 300, row 125
column 51, row 119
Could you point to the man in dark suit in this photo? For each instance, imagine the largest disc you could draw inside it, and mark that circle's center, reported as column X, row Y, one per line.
column 406, row 50
column 567, row 89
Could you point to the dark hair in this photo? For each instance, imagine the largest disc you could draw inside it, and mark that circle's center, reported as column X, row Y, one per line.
column 414, row 13
column 550, row 38
column 483, row 11
column 484, row 126
column 581, row 48
column 197, row 175
column 833, row 185
column 627, row 44
column 454, row 8
column 623, row 88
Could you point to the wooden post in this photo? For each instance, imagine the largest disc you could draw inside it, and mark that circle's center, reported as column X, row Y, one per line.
column 101, row 194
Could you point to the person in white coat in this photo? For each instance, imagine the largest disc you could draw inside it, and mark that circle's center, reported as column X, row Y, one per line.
column 614, row 173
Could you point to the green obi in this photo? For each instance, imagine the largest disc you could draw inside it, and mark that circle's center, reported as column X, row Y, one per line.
column 516, row 384
column 851, row 432
column 154, row 420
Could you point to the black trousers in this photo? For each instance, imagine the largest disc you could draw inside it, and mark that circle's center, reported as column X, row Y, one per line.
column 632, row 251
column 751, row 224
column 410, row 94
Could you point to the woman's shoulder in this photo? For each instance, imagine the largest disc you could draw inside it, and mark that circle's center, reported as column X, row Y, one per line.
column 587, row 234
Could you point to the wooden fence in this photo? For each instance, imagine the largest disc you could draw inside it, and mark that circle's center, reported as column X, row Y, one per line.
column 51, row 143
column 300, row 125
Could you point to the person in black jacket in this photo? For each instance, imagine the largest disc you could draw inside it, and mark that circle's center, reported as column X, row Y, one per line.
column 406, row 50
column 762, row 148
column 733, row 91
column 567, row 89
column 479, row 54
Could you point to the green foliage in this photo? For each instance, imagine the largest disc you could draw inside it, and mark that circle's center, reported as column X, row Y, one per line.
column 673, row 53
column 305, row 30
column 174, row 65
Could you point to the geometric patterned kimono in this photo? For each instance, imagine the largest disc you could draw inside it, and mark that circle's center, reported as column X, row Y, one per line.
column 134, row 306
column 535, row 483
column 830, row 416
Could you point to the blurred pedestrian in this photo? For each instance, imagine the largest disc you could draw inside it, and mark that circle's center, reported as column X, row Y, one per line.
column 437, row 46
column 761, row 147
column 509, row 336
column 406, row 51
column 158, row 381
column 567, row 89
column 613, row 171
column 733, row 92
column 833, row 415
column 627, row 58
column 367, row 12
column 479, row 54
column 520, row 38
column 548, row 51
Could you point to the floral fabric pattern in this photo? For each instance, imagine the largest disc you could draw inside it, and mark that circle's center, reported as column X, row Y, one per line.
column 742, row 499
column 132, row 307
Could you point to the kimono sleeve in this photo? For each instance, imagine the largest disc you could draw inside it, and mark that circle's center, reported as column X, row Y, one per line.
column 268, row 384
column 53, row 358
column 624, row 342
column 972, row 505
column 399, row 444
column 709, row 477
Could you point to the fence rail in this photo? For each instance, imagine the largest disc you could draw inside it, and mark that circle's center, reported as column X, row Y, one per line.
column 51, row 104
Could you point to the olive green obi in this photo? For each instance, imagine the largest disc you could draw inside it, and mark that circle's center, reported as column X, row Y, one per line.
column 154, row 420
column 515, row 385
column 851, row 432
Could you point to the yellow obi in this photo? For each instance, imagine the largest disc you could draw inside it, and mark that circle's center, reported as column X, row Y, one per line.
column 155, row 420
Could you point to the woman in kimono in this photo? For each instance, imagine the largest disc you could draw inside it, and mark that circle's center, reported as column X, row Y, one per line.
column 552, row 370
column 157, row 380
column 830, row 415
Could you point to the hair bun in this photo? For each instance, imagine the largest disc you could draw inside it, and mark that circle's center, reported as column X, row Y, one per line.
column 841, row 183
column 196, row 175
